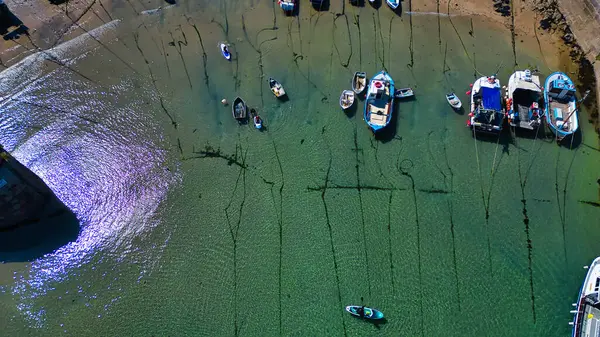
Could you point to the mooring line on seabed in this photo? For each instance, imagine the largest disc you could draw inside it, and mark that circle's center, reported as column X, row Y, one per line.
column 404, row 169
column 235, row 230
column 345, row 65
column 177, row 44
column 380, row 56
column 512, row 31
column 450, row 191
column 411, row 44
column 280, row 232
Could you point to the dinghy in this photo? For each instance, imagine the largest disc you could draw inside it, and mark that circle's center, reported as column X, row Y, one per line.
column 561, row 109
column 380, row 101
column 225, row 51
column 453, row 100
column 287, row 5
column 256, row 119
column 404, row 93
column 523, row 97
column 346, row 99
column 364, row 312
column 359, row 82
column 276, row 88
column 239, row 109
column 394, row 4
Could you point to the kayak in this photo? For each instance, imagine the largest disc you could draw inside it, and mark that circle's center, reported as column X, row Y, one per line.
column 225, row 51
column 364, row 312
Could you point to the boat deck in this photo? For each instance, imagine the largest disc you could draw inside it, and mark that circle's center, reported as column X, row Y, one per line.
column 562, row 106
column 378, row 116
column 590, row 327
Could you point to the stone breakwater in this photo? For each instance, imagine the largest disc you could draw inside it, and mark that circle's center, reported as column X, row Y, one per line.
column 578, row 23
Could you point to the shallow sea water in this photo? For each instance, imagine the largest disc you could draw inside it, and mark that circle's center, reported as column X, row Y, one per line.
column 195, row 225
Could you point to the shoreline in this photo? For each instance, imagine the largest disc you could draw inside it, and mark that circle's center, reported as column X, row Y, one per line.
column 537, row 20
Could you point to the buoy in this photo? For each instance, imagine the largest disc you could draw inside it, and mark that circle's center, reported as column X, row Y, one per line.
column 468, row 92
column 468, row 122
column 470, row 114
column 224, row 101
column 470, row 85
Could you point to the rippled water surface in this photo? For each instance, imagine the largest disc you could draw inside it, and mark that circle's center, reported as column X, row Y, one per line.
column 194, row 225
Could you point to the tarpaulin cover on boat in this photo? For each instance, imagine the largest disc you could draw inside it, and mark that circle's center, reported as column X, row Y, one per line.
column 491, row 98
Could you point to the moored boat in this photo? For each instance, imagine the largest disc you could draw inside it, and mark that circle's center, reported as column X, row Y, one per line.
column 276, row 88
column 486, row 105
column 561, row 105
column 379, row 105
column 239, row 109
column 256, row 119
column 359, row 82
column 347, row 99
column 225, row 51
column 587, row 315
column 364, row 312
column 453, row 100
column 404, row 93
column 523, row 96
column 394, row 4
column 287, row 5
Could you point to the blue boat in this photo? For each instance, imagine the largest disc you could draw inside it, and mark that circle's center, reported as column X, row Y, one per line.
column 287, row 5
column 486, row 113
column 561, row 110
column 394, row 4
column 364, row 312
column 379, row 105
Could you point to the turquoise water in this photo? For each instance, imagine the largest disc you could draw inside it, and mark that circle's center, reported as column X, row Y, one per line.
column 195, row 225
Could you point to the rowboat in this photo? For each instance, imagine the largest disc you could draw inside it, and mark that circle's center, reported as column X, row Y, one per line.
column 393, row 3
column 379, row 105
column 256, row 119
column 587, row 314
column 287, row 5
column 359, row 82
column 561, row 109
column 225, row 51
column 453, row 100
column 276, row 88
column 346, row 99
column 239, row 109
column 486, row 105
column 364, row 312
column 523, row 96
column 404, row 93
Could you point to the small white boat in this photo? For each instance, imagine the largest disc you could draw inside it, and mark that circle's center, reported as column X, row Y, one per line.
column 453, row 100
column 347, row 99
column 587, row 315
column 359, row 82
column 404, row 93
column 225, row 51
column 276, row 88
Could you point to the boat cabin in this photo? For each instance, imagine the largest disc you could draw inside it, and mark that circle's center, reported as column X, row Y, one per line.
column 378, row 99
column 561, row 89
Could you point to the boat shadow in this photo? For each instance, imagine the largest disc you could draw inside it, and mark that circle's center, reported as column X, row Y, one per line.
column 295, row 11
column 388, row 133
column 357, row 3
column 573, row 141
column 38, row 237
column 320, row 6
column 503, row 138
column 351, row 111
column 398, row 11
column 460, row 111
column 376, row 4
column 376, row 323
column 283, row 98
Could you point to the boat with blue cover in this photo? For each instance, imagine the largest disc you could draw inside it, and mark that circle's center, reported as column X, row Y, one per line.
column 287, row 5
column 486, row 113
column 364, row 312
column 394, row 4
column 379, row 104
column 586, row 322
column 561, row 110
column 523, row 98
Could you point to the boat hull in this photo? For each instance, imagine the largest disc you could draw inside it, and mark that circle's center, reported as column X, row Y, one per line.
column 394, row 4
column 389, row 105
column 554, row 104
column 587, row 312
column 353, row 310
column 239, row 109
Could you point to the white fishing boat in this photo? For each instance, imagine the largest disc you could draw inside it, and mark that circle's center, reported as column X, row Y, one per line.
column 586, row 322
column 486, row 105
column 453, row 100
column 523, row 96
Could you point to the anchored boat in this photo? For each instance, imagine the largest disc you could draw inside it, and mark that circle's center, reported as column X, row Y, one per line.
column 486, row 105
column 561, row 109
column 394, row 4
column 276, row 88
column 239, row 109
column 380, row 101
column 225, row 51
column 287, row 5
column 256, row 119
column 523, row 96
column 359, row 82
column 587, row 316
column 453, row 100
column 346, row 99
column 404, row 93
column 364, row 312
